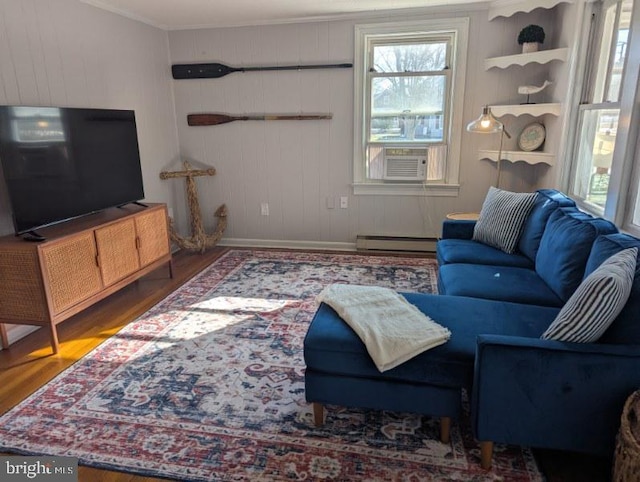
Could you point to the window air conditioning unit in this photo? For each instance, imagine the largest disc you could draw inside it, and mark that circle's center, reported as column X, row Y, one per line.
column 405, row 164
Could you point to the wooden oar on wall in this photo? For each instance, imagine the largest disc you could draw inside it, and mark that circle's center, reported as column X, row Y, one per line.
column 217, row 119
column 215, row 71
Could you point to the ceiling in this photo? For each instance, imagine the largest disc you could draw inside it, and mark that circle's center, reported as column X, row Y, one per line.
column 187, row 14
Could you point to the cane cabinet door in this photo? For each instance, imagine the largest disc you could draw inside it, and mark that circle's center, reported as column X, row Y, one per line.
column 70, row 271
column 117, row 252
column 153, row 235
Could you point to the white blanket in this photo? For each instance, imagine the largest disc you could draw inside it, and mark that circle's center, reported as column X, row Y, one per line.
column 392, row 329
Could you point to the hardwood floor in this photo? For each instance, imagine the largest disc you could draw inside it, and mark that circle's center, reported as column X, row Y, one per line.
column 28, row 364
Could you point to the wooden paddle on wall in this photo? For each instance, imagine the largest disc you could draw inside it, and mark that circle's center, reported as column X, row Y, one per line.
column 217, row 119
column 215, row 71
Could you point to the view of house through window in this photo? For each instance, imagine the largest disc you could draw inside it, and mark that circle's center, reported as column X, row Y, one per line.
column 408, row 90
column 600, row 108
column 406, row 80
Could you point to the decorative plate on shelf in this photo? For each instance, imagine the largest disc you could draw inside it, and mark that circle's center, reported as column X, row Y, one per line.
column 531, row 137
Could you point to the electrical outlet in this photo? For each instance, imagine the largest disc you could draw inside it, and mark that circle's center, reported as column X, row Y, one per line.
column 170, row 212
column 344, row 202
column 264, row 209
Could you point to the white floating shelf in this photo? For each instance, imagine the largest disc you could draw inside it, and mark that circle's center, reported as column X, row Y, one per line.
column 507, row 8
column 522, row 109
column 540, row 57
column 534, row 157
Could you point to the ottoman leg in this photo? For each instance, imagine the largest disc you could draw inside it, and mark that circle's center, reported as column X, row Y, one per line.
column 486, row 453
column 445, row 430
column 318, row 414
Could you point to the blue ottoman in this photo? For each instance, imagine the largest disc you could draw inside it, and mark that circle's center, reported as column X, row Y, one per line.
column 340, row 371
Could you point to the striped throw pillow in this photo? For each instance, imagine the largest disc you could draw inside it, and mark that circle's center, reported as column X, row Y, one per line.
column 502, row 218
column 597, row 301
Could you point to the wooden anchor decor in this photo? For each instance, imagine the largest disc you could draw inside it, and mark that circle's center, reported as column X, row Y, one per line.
column 199, row 240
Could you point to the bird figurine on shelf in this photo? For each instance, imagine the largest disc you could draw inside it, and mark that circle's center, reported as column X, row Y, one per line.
column 532, row 89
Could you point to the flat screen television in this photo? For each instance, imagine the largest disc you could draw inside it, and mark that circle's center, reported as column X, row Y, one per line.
column 60, row 162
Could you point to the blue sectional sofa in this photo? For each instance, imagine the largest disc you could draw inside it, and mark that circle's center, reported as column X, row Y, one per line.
column 535, row 392
column 524, row 390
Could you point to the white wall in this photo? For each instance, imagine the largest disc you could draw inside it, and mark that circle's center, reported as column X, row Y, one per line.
column 66, row 53
column 296, row 165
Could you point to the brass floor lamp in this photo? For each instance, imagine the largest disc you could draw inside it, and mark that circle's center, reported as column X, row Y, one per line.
column 488, row 124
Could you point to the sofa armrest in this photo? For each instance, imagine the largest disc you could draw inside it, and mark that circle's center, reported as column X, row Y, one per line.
column 551, row 394
column 457, row 229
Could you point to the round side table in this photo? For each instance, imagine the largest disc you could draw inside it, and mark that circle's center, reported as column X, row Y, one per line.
column 463, row 216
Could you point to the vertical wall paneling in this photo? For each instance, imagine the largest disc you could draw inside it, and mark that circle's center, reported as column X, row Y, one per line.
column 300, row 168
column 67, row 53
column 63, row 52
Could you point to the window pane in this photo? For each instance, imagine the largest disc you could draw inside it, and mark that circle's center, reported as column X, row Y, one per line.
column 602, row 66
column 404, row 78
column 422, row 57
column 619, row 51
column 597, row 141
column 613, row 52
column 620, row 54
column 407, row 108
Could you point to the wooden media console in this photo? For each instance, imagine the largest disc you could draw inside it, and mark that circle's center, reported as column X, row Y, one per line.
column 79, row 263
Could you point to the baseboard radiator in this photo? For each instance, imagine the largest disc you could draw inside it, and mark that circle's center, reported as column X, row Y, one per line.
column 395, row 243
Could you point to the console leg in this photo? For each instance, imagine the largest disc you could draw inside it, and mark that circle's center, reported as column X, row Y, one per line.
column 486, row 454
column 318, row 414
column 445, row 430
column 4, row 338
column 53, row 334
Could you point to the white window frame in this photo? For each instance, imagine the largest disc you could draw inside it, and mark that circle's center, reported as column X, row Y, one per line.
column 459, row 27
column 625, row 166
column 628, row 177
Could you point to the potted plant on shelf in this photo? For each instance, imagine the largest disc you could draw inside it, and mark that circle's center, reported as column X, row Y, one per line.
column 530, row 38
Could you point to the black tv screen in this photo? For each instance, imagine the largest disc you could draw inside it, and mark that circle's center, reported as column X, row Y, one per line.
column 61, row 163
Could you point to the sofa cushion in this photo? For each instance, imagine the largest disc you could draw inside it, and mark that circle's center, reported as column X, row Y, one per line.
column 458, row 228
column 565, row 247
column 502, row 217
column 597, row 301
column 626, row 328
column 547, row 201
column 504, row 283
column 330, row 346
column 468, row 251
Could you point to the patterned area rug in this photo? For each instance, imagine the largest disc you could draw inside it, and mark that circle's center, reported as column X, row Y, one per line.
column 209, row 385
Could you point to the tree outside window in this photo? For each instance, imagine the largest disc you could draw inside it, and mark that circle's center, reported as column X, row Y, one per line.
column 405, row 84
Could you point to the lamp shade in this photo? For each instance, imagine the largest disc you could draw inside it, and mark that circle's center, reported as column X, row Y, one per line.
column 486, row 123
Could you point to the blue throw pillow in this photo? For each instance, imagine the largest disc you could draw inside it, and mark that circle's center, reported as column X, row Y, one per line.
column 547, row 201
column 597, row 302
column 565, row 247
column 502, row 218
